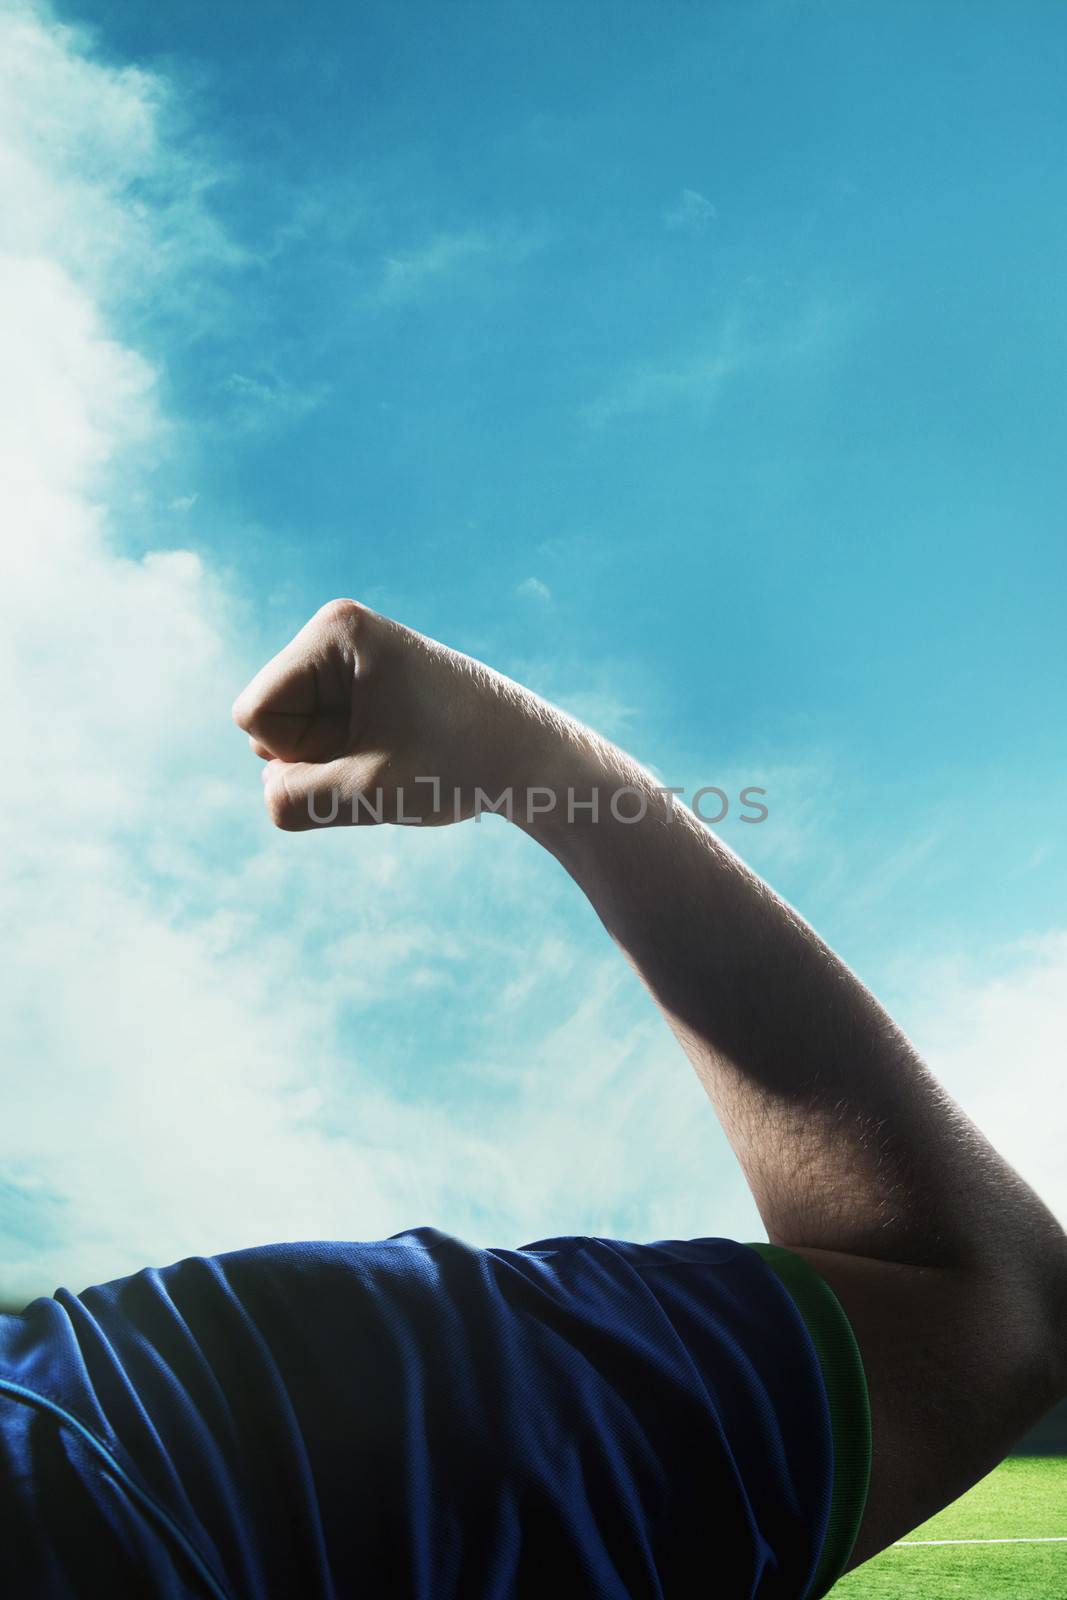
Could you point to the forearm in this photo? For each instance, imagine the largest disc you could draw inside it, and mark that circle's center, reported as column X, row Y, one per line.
column 847, row 1140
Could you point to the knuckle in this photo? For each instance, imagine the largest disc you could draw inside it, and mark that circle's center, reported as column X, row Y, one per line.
column 283, row 808
column 243, row 710
column 345, row 613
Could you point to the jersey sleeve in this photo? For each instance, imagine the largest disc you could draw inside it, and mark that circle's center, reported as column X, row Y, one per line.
column 847, row 1401
column 422, row 1417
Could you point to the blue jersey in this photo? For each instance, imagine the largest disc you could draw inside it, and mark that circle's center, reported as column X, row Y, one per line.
column 420, row 1417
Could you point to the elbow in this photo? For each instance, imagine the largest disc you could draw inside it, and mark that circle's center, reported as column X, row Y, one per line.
column 1054, row 1310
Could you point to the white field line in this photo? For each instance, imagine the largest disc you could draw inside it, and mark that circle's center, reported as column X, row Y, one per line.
column 1054, row 1538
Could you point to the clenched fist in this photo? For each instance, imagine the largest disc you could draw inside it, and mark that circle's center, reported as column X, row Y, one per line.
column 361, row 720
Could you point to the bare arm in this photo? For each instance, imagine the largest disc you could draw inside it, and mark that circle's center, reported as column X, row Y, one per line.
column 847, row 1140
column 951, row 1270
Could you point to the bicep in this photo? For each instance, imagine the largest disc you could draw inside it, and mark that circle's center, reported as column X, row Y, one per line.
column 954, row 1374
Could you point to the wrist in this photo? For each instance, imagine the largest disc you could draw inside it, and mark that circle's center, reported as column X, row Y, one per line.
column 550, row 774
column 571, row 781
column 537, row 752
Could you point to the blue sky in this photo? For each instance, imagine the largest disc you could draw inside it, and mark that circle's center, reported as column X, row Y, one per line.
column 787, row 448
column 699, row 365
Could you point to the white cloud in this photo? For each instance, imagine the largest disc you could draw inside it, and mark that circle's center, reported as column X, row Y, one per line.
column 691, row 213
column 534, row 589
column 323, row 212
column 652, row 389
column 696, row 380
column 124, row 206
column 180, row 1014
column 446, row 255
column 997, row 1043
column 404, row 275
column 263, row 402
column 122, row 1018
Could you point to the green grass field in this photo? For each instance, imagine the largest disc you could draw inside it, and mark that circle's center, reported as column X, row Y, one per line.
column 1024, row 1498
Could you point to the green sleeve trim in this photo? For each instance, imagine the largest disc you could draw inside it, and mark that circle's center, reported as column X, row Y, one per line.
column 850, row 1410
